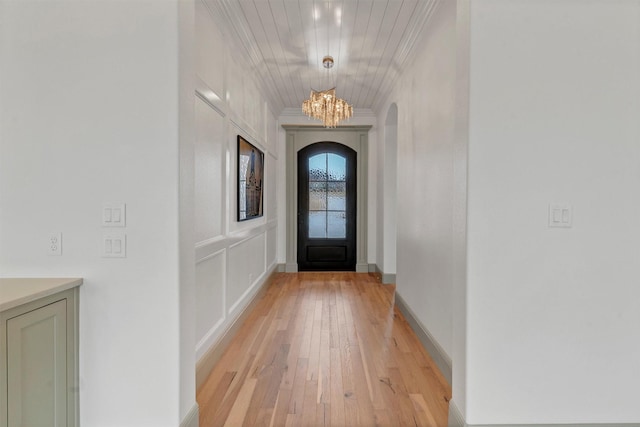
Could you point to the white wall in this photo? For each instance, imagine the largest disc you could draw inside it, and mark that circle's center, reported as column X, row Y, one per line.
column 553, row 313
column 232, row 258
column 425, row 95
column 186, row 134
column 89, row 114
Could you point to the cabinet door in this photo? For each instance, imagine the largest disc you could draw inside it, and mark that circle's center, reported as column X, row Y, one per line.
column 37, row 367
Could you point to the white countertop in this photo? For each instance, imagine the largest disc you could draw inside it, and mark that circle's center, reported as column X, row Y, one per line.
column 15, row 292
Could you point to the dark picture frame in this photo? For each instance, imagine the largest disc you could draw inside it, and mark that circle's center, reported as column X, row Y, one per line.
column 250, row 169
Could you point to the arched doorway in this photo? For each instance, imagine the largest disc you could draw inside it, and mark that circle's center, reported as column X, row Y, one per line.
column 297, row 138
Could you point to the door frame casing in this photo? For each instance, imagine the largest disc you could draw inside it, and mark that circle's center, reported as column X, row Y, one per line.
column 355, row 137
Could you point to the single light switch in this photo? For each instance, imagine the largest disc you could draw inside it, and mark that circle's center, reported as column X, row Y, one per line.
column 560, row 215
column 114, row 215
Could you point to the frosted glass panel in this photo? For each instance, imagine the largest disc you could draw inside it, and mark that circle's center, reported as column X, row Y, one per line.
column 327, row 196
column 336, row 225
column 337, row 196
column 318, row 167
column 337, row 167
column 318, row 225
column 317, row 196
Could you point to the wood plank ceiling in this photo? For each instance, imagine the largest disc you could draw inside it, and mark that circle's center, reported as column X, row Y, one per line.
column 370, row 41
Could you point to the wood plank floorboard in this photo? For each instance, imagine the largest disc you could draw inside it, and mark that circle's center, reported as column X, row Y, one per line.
column 325, row 349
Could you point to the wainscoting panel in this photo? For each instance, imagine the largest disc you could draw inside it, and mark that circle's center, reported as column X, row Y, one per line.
column 210, row 310
column 209, row 49
column 209, row 167
column 271, row 251
column 246, row 268
column 271, row 187
column 234, row 84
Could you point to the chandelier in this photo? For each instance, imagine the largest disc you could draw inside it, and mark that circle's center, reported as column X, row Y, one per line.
column 325, row 105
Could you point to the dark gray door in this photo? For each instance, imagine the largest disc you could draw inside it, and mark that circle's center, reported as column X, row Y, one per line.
column 326, row 207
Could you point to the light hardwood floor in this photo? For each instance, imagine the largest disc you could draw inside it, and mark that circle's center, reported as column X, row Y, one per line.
column 325, row 349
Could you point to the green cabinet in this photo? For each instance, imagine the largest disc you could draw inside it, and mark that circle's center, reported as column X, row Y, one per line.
column 38, row 360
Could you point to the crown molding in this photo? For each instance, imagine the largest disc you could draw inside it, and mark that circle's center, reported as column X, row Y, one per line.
column 415, row 29
column 295, row 116
column 228, row 14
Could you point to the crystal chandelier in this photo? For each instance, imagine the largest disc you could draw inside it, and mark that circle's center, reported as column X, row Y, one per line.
column 325, row 105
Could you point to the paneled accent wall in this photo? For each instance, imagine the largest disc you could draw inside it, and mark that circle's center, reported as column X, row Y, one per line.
column 233, row 259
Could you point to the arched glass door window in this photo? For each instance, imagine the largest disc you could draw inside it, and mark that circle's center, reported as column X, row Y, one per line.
column 327, row 196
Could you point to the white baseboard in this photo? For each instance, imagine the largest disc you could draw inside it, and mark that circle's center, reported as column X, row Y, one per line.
column 193, row 417
column 437, row 353
column 386, row 278
column 205, row 364
column 455, row 417
column 291, row 267
column 362, row 268
column 457, row 420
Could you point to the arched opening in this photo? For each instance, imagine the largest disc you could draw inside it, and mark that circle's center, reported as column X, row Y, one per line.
column 299, row 137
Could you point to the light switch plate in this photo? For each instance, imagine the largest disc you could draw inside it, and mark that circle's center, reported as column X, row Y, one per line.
column 114, row 245
column 114, row 215
column 560, row 215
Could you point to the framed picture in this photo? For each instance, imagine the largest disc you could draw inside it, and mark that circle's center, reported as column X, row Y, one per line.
column 250, row 180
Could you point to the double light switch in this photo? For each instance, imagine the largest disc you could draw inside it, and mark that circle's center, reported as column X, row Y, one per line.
column 560, row 215
column 114, row 243
column 113, row 215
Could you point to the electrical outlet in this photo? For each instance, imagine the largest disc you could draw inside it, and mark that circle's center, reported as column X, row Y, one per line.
column 55, row 244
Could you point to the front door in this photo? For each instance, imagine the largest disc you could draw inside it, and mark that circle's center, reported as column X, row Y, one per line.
column 326, row 207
